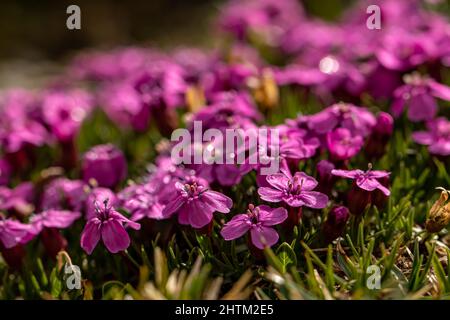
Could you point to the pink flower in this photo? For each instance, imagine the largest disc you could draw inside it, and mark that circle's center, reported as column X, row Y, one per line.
column 108, row 224
column 64, row 111
column 335, row 223
column 195, row 203
column 106, row 164
column 342, row 144
column 141, row 201
column 295, row 190
column 13, row 232
column 20, row 196
column 59, row 219
column 418, row 95
column 259, row 221
column 63, row 193
column 47, row 224
column 437, row 138
column 296, row 144
column 358, row 120
column 366, row 180
column 99, row 195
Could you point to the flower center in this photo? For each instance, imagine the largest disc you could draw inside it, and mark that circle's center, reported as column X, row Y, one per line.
column 295, row 186
column 253, row 213
column 193, row 189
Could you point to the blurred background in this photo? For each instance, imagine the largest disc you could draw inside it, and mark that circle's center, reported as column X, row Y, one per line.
column 34, row 39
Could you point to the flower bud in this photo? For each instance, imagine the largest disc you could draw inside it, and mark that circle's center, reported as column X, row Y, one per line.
column 326, row 179
column 13, row 256
column 439, row 216
column 53, row 241
column 335, row 223
column 294, row 217
column 384, row 125
column 358, row 199
column 379, row 199
column 376, row 144
column 105, row 164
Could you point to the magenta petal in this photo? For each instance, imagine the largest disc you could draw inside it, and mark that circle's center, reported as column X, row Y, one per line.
column 13, row 232
column 440, row 147
column 236, row 227
column 114, row 236
column 173, row 206
column 90, row 235
column 269, row 194
column 269, row 216
column 314, row 199
column 384, row 189
column 60, row 218
column 117, row 216
column 397, row 107
column 228, row 174
column 439, row 90
column 217, row 201
column 307, row 182
column 199, row 214
column 294, row 201
column 278, row 180
column 263, row 236
column 422, row 107
column 367, row 183
column 423, row 137
column 351, row 174
column 379, row 174
column 183, row 215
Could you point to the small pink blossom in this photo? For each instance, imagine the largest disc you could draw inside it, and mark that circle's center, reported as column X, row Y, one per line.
column 367, row 180
column 295, row 190
column 259, row 221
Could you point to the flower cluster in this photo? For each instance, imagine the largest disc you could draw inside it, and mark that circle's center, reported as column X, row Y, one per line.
column 103, row 190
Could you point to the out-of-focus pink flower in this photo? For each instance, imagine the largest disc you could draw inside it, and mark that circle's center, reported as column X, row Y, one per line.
column 296, row 144
column 19, row 123
column 259, row 221
column 437, row 137
column 20, row 196
column 161, row 85
column 264, row 17
column 123, row 104
column 13, row 232
column 342, row 144
column 59, row 219
column 418, row 95
column 64, row 111
column 105, row 164
column 47, row 225
column 402, row 50
column 64, row 194
column 141, row 201
column 358, row 120
column 112, row 65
